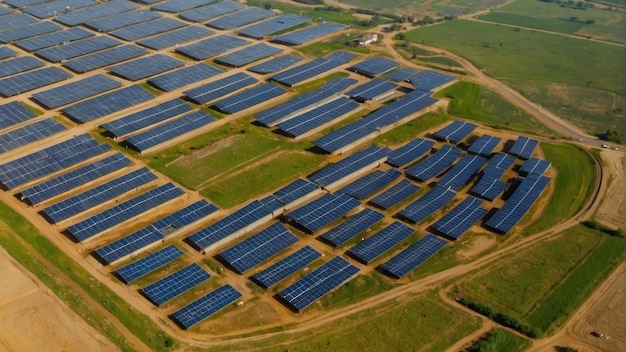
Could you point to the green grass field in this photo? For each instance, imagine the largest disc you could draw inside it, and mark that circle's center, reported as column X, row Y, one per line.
column 441, row 60
column 560, row 25
column 500, row 340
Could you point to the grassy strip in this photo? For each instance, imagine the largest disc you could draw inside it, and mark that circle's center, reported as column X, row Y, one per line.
column 409, row 131
column 548, row 24
column 139, row 324
column 500, row 340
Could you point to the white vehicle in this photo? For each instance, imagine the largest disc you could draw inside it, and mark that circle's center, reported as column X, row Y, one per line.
column 604, row 146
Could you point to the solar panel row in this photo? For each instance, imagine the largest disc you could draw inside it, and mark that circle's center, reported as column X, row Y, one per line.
column 207, row 48
column 175, row 37
column 318, row 117
column 370, row 183
column 373, row 89
column 348, row 229
column 27, row 81
column 429, row 80
column 524, row 147
column 413, row 256
column 535, row 166
column 304, row 72
column 19, row 64
column 356, row 162
column 46, row 9
column 14, row 113
column 410, row 152
column 55, row 38
column 463, row 172
column 461, row 218
column 97, row 11
column 273, row 25
column 294, row 191
column 149, row 28
column 111, row 23
column 205, row 306
column 218, row 88
column 489, row 186
column 75, row 91
column 28, row 31
column 104, row 58
column 205, row 13
column 73, row 49
column 275, row 64
column 107, row 104
column 286, row 267
column 248, row 54
column 401, row 74
column 146, row 67
column 500, row 162
column 322, row 211
column 144, row 118
column 374, row 66
column 30, row 133
column 374, row 246
column 175, row 6
column 184, row 76
column 309, row 34
column 241, row 18
column 251, row 97
column 427, row 205
column 6, row 52
column 455, row 132
column 484, row 145
column 175, row 284
column 148, row 263
column 395, row 194
column 434, row 164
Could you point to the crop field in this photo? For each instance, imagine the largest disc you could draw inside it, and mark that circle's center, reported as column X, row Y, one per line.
column 560, row 25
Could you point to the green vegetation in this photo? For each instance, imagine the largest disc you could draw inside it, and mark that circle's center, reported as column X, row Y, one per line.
column 357, row 289
column 32, row 108
column 551, row 24
column 327, row 13
column 408, row 131
column 500, row 340
column 613, row 136
column 341, row 42
column 440, row 60
column 31, row 244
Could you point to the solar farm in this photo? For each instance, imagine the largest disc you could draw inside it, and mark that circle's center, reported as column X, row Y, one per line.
column 91, row 94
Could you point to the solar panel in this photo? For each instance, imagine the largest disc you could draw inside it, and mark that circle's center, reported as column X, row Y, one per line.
column 374, row 89
column 275, row 64
column 54, row 8
column 205, row 13
column 427, row 205
column 401, row 74
column 70, row 180
column 254, row 250
column 118, row 21
column 6, row 52
column 484, row 145
column 413, row 256
column 455, row 132
column 410, row 152
column 103, row 221
column 248, row 54
column 154, row 232
column 149, row 28
column 169, row 130
column 97, row 11
column 28, row 134
column 184, row 76
column 322, row 211
column 146, row 67
column 370, row 183
column 318, row 117
column 461, row 218
column 212, row 46
column 463, row 172
column 372, row 156
column 373, row 247
column 100, row 194
column 218, row 88
column 5, row 10
column 175, row 37
column 272, row 204
column 19, row 64
column 294, row 191
column 434, row 164
column 489, row 186
column 175, row 284
column 274, row 25
column 20, row 3
column 14, row 113
column 286, row 267
column 348, row 229
column 241, row 18
column 249, row 98
column 104, row 58
column 524, row 147
column 304, row 72
column 395, row 194
column 500, row 161
column 55, row 38
column 16, row 20
column 374, row 66
column 340, row 57
column 75, row 91
column 309, row 34
column 148, row 263
column 175, row 6
column 76, row 48
column 28, row 31
column 319, row 282
column 430, row 80
column 107, row 104
column 30, row 80
column 534, row 166
column 205, row 306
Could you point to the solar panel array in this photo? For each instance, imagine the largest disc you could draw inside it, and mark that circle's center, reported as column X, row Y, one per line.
column 84, row 15
column 294, row 191
column 46, row 9
column 175, row 37
column 484, row 145
column 489, row 186
column 319, row 116
column 175, row 6
column 14, row 113
column 27, row 81
column 107, row 104
column 434, row 164
column 395, row 194
column 401, row 74
column 241, row 18
column 379, row 243
column 55, row 38
column 430, row 80
column 413, row 256
column 373, row 89
column 322, row 211
column 370, row 183
column 104, row 58
column 427, row 205
column 206, row 48
column 319, row 282
column 75, row 91
column 146, row 67
column 205, row 306
column 534, row 166
column 111, row 23
column 374, row 66
column 409, row 152
column 461, row 218
column 275, row 64
column 28, row 31
column 149, row 28
column 348, row 229
column 205, row 13
column 6, row 52
column 28, row 134
column 144, row 118
column 251, row 97
column 455, row 131
column 184, row 76
column 303, row 72
column 220, row 87
column 149, row 263
column 524, row 147
column 518, row 204
column 350, row 165
column 500, row 161
column 463, row 172
column 77, row 48
column 273, row 25
column 16, row 20
column 248, row 54
column 286, row 267
column 19, row 64
column 309, row 34
column 175, row 284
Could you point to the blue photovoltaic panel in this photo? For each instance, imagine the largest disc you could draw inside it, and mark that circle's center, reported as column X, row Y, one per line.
column 319, row 116
column 14, row 113
column 30, row 80
column 32, row 30
column 241, row 18
column 395, row 194
column 322, row 211
column 340, row 57
column 149, row 28
column 524, row 147
column 305, row 71
column 175, row 37
column 316, row 284
column 104, row 58
column 175, row 284
column 55, row 38
column 286, row 267
column 413, row 256
column 353, row 163
column 211, row 46
column 91, row 198
column 294, row 191
column 484, row 145
column 370, row 183
column 500, row 161
column 356, row 224
column 249, row 98
column 205, row 306
column 218, row 88
column 374, row 66
column 489, row 186
column 175, row 6
column 5, row 10
column 16, row 20
column 518, row 204
column 463, row 172
column 275, row 65
column 148, row 263
column 70, row 180
column 379, row 243
column 184, row 76
column 278, row 113
column 75, row 91
column 456, row 131
column 154, row 232
column 410, row 152
column 372, row 123
column 77, row 48
column 118, row 21
column 144, row 118
column 372, row 89
column 205, row 13
column 401, row 74
column 258, row 248
column 273, row 25
column 97, row 11
column 169, row 130
column 19, row 64
column 248, row 54
column 107, row 104
column 309, row 34
column 6, row 52
column 100, row 222
column 434, row 164
column 229, row 225
column 270, row 203
column 461, row 218
column 20, row 3
column 534, row 166
column 28, row 134
column 427, row 205
column 430, row 80
column 54, row 8
column 145, row 67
